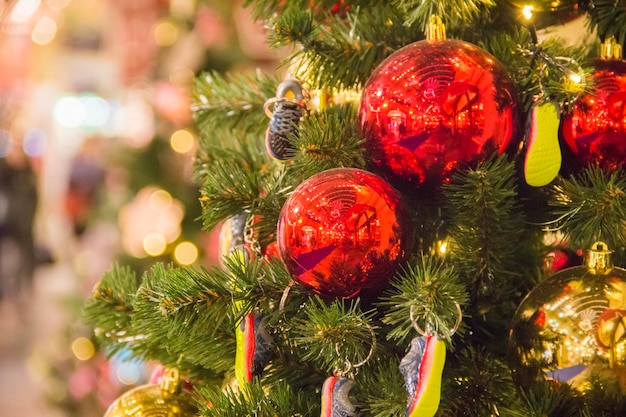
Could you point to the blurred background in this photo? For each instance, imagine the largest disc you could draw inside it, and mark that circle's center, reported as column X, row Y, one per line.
column 96, row 148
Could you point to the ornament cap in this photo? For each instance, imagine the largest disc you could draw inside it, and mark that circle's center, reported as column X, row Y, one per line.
column 435, row 30
column 170, row 384
column 610, row 49
column 599, row 258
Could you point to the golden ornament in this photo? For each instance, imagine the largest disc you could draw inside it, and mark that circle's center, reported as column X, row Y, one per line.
column 573, row 326
column 163, row 400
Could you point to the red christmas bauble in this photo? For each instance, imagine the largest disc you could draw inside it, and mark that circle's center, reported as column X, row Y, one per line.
column 434, row 104
column 594, row 132
column 343, row 233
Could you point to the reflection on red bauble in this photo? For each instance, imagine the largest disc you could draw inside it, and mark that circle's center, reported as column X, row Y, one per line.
column 343, row 232
column 595, row 130
column 434, row 104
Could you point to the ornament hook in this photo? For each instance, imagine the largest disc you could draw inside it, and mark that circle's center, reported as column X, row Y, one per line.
column 429, row 329
column 349, row 365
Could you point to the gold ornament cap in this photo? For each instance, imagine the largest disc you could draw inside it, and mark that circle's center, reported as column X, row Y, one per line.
column 610, row 49
column 435, row 30
column 598, row 259
column 163, row 400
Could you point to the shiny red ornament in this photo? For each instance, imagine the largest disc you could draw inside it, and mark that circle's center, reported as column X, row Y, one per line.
column 594, row 132
column 435, row 104
column 343, row 233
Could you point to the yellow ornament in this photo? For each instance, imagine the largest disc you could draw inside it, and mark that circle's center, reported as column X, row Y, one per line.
column 572, row 326
column 163, row 400
column 543, row 156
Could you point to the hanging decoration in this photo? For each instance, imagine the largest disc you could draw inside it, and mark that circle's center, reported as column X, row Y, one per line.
column 542, row 161
column 336, row 399
column 254, row 345
column 289, row 107
column 573, row 325
column 594, row 131
column 543, row 155
column 155, row 400
column 434, row 105
column 343, row 232
column 422, row 368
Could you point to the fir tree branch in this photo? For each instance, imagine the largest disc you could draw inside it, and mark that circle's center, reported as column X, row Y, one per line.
column 609, row 19
column 338, row 53
column 547, row 74
column 187, row 319
column 476, row 376
column 549, row 399
column 380, row 390
column 485, row 225
column 229, row 188
column 592, row 207
column 333, row 336
column 109, row 308
column 430, row 290
column 254, row 400
column 224, row 103
column 604, row 396
column 452, row 12
column 326, row 140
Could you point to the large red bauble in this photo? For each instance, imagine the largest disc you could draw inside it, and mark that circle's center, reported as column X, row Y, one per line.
column 595, row 130
column 343, row 232
column 434, row 104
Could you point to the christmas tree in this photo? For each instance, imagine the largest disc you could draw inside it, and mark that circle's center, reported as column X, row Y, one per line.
column 419, row 216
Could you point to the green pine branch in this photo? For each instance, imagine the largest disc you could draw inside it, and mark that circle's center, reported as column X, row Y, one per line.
column 230, row 187
column 380, row 390
column 476, row 376
column 338, row 52
column 608, row 17
column 453, row 12
column 234, row 102
column 428, row 290
column 109, row 309
column 254, row 400
column 590, row 207
column 334, row 337
column 326, row 139
column 486, row 224
column 178, row 311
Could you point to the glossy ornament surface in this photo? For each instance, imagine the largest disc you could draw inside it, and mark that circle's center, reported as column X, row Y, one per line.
column 343, row 232
column 163, row 400
column 434, row 104
column 594, row 131
column 572, row 326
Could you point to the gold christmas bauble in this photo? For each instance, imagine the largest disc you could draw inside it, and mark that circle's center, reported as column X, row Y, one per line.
column 163, row 400
column 573, row 326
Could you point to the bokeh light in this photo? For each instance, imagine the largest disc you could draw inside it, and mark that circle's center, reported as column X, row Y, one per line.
column 160, row 200
column 186, row 253
column 83, row 348
column 182, row 141
column 35, row 141
column 45, row 31
column 154, row 244
column 97, row 110
column 165, row 33
column 128, row 373
column 69, row 111
column 24, row 9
